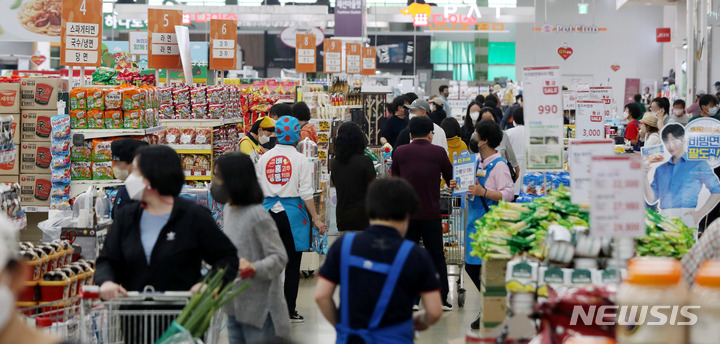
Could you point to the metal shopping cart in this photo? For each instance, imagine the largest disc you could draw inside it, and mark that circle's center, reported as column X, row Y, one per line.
column 454, row 219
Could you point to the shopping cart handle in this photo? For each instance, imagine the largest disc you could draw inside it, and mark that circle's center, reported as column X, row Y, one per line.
column 159, row 293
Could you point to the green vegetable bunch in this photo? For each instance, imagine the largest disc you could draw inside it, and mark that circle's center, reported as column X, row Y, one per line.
column 666, row 237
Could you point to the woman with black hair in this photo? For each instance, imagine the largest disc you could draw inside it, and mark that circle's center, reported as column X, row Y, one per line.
column 632, row 131
column 397, row 120
column 162, row 240
column 472, row 115
column 351, row 171
column 260, row 312
column 307, row 130
column 660, row 107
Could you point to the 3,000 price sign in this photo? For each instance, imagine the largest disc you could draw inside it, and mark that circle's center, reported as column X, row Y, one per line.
column 589, row 119
column 616, row 198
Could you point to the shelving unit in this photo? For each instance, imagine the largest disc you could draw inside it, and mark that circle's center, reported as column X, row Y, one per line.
column 198, row 178
column 101, row 133
column 192, row 149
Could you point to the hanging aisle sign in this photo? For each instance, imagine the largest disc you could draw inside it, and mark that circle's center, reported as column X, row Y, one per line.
column 543, row 118
column 333, row 56
column 81, row 33
column 223, row 44
column 305, row 53
column 369, row 61
column 162, row 39
column 617, row 204
column 353, row 57
column 589, row 121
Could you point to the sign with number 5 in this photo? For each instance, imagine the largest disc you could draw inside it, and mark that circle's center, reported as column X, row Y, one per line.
column 305, row 58
column 543, row 118
column 162, row 40
column 223, row 44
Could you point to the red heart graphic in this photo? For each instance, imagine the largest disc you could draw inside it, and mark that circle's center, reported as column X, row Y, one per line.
column 615, row 68
column 38, row 59
column 565, row 52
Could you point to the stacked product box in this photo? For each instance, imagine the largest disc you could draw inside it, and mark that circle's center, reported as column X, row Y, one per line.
column 494, row 296
column 10, row 112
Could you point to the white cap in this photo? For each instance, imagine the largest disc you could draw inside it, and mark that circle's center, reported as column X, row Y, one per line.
column 8, row 241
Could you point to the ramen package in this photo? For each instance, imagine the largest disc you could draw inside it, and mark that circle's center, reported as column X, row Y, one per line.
column 131, row 119
column 94, row 99
column 77, row 99
column 150, row 119
column 188, row 161
column 172, row 135
column 95, row 119
column 202, row 164
column 203, row 136
column 102, row 170
column 101, row 150
column 198, row 95
column 82, row 152
column 60, row 126
column 199, row 111
column 61, row 175
column 60, row 190
column 182, row 111
column 59, row 145
column 77, row 119
column 166, row 95
column 113, row 119
column 215, row 111
column 167, row 111
column 130, row 99
column 215, row 94
column 60, row 203
column 81, row 170
column 113, row 99
column 60, row 161
column 187, row 136
column 181, row 95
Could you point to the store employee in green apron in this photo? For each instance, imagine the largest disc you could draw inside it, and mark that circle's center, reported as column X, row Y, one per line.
column 493, row 183
column 286, row 177
column 380, row 274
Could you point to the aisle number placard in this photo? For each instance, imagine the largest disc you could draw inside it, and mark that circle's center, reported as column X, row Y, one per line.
column 81, row 33
column 305, row 53
column 353, row 57
column 369, row 61
column 162, row 40
column 589, row 120
column 333, row 56
column 223, row 44
column 617, row 202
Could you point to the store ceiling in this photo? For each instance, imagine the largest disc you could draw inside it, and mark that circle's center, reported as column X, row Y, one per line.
column 627, row 3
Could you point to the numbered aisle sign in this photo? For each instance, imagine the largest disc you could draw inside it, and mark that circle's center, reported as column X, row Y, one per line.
column 164, row 51
column 543, row 118
column 333, row 56
column 580, row 157
column 81, row 33
column 369, row 61
column 589, row 121
column 604, row 93
column 223, row 44
column 617, row 203
column 305, row 53
column 353, row 57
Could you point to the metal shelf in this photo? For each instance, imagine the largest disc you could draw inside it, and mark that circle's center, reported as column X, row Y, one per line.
column 192, row 149
column 198, row 178
column 100, row 133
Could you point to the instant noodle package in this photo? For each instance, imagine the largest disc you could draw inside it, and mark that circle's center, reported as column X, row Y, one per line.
column 121, row 107
column 200, row 102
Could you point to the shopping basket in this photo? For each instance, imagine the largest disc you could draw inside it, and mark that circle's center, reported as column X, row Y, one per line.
column 454, row 218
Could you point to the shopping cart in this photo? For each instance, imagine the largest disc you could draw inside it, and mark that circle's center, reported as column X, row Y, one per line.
column 454, row 218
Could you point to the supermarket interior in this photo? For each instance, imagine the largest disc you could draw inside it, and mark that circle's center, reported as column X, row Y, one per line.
column 359, row 171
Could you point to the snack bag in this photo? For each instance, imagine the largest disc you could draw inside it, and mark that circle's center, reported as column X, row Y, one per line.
column 165, row 95
column 172, row 136
column 182, row 111
column 77, row 119
column 214, row 94
column 61, row 175
column 197, row 95
column 181, row 95
column 95, row 119
column 60, row 203
column 199, row 111
column 60, row 126
column 202, row 164
column 130, row 99
column 101, row 150
column 143, row 123
column 187, row 136
column 113, row 119
column 77, row 99
column 102, row 170
column 150, row 117
column 215, row 111
column 59, row 145
column 60, row 190
column 203, row 136
column 113, row 99
column 142, row 97
column 60, row 161
column 188, row 161
column 81, row 170
column 94, row 99
column 83, row 152
column 131, row 119
column 167, row 111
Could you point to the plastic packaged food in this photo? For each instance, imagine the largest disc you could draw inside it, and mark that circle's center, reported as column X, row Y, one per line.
column 101, row 150
column 83, row 152
column 203, row 136
column 187, row 136
column 130, row 99
column 113, row 99
column 60, row 126
column 95, row 119
column 150, row 118
column 706, row 294
column 60, row 161
column 183, row 111
column 94, row 99
column 181, row 95
column 81, row 170
column 197, row 95
column 199, row 111
column 202, row 163
column 77, row 99
column 216, row 111
column 188, row 161
column 59, row 145
column 77, row 119
column 172, row 135
column 102, row 170
column 166, row 95
column 167, row 111
column 60, row 190
column 61, row 175
column 214, row 94
column 113, row 119
column 131, row 119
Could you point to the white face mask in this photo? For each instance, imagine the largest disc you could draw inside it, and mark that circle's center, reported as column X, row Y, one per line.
column 626, row 115
column 264, row 139
column 412, row 115
column 678, row 112
column 120, row 173
column 7, row 298
column 474, row 116
column 135, row 187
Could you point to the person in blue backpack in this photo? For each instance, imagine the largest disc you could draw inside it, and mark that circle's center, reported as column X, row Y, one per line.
column 380, row 274
column 494, row 184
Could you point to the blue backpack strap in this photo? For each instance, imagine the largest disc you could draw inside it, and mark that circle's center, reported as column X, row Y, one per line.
column 390, row 283
column 344, row 278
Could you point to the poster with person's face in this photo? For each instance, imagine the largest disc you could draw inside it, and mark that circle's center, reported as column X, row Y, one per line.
column 681, row 180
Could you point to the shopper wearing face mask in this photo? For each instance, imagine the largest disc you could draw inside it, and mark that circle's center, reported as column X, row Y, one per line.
column 649, row 130
column 123, row 151
column 162, row 239
column 421, row 108
column 709, row 107
column 472, row 115
column 660, row 107
column 14, row 272
column 678, row 114
column 260, row 133
column 632, row 130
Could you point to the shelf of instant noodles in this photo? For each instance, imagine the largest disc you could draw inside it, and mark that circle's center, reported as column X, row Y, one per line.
column 200, row 122
column 100, row 133
column 192, row 149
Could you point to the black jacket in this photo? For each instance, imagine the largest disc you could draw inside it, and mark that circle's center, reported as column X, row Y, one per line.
column 122, row 198
column 190, row 237
column 438, row 116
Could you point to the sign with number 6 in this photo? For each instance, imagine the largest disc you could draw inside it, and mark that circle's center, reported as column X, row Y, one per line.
column 223, row 44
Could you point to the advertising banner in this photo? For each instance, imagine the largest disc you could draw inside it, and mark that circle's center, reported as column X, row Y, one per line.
column 351, row 13
column 31, row 20
column 543, row 118
column 463, row 172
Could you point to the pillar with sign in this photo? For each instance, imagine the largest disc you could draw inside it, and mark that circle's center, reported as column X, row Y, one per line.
column 162, row 39
column 305, row 53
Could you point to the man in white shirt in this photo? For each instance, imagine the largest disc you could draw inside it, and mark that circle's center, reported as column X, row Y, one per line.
column 420, row 107
column 286, row 178
column 517, row 142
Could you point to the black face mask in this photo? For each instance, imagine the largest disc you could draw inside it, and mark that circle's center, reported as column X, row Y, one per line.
column 219, row 193
column 270, row 144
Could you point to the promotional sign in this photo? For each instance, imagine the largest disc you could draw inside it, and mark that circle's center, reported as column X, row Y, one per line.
column 617, row 207
column 353, row 57
column 333, row 56
column 162, row 39
column 138, row 42
column 580, row 156
column 604, row 93
column 632, row 87
column 543, row 118
column 37, row 60
column 81, row 33
column 589, row 122
column 351, row 13
column 369, row 61
column 223, row 44
column 704, row 140
column 464, row 172
column 305, row 53
column 31, row 21
column 569, row 100
column 662, row 35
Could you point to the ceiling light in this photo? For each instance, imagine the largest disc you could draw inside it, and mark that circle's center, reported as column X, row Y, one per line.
column 583, row 8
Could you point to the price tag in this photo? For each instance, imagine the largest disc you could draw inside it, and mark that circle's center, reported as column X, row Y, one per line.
column 617, row 204
column 543, row 118
column 352, row 58
column 80, row 32
column 164, row 51
column 223, row 44
column 332, row 55
column 138, row 43
column 369, row 59
column 605, row 94
column 305, row 53
column 580, row 156
column 569, row 100
column 589, row 119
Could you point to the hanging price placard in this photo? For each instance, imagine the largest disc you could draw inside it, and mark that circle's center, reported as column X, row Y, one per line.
column 162, row 40
column 353, row 57
column 223, row 44
column 305, row 61
column 617, row 204
column 369, row 61
column 81, row 33
column 333, row 56
column 589, row 119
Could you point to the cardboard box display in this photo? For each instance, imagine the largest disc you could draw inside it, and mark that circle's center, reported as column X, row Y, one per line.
column 494, row 271
column 9, row 98
column 35, row 157
column 36, row 125
column 42, row 93
column 35, row 189
column 12, row 167
column 494, row 309
column 9, row 179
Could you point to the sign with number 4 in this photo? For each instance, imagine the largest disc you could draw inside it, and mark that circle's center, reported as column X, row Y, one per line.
column 81, row 31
